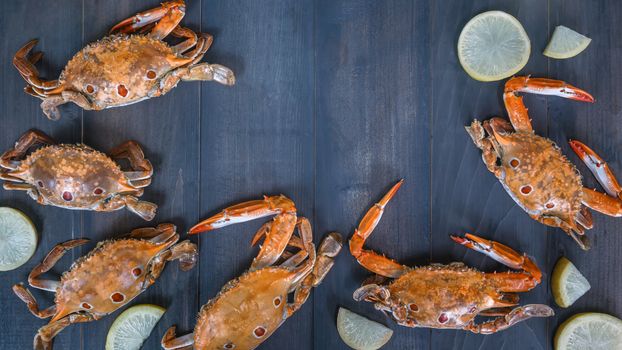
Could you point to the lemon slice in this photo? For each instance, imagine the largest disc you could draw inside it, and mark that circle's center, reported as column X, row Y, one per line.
column 133, row 326
column 566, row 43
column 18, row 239
column 568, row 284
column 359, row 332
column 589, row 331
column 493, row 46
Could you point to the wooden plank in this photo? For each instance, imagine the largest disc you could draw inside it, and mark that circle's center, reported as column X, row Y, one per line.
column 372, row 78
column 167, row 129
column 58, row 29
column 257, row 137
column 465, row 196
column 597, row 70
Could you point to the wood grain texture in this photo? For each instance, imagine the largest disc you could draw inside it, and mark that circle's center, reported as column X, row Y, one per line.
column 59, row 33
column 258, row 135
column 334, row 102
column 596, row 70
column 372, row 128
column 466, row 197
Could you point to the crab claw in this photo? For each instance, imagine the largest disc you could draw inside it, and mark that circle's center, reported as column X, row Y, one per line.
column 245, row 212
column 549, row 87
column 499, row 252
column 145, row 18
column 598, row 167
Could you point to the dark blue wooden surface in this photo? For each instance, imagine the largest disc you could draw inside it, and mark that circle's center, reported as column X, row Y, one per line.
column 335, row 100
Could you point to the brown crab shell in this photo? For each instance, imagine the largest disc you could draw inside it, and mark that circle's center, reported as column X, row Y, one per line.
column 107, row 278
column 246, row 312
column 539, row 177
column 73, row 176
column 442, row 296
column 118, row 69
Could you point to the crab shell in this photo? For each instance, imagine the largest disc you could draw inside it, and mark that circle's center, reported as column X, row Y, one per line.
column 119, row 69
column 246, row 311
column 73, row 176
column 442, row 296
column 110, row 276
column 539, row 177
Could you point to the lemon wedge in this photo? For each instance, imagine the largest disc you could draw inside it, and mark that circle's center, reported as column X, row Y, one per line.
column 133, row 326
column 361, row 333
column 566, row 43
column 568, row 284
column 493, row 46
column 589, row 331
column 18, row 239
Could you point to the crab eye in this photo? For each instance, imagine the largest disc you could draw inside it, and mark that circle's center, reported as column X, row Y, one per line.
column 122, row 90
column 117, row 297
column 40, row 183
column 151, row 74
column 98, row 190
column 259, row 332
column 514, row 163
column 67, row 196
column 413, row 307
column 89, row 88
column 525, row 189
column 137, row 271
column 550, row 205
column 443, row 318
column 87, row 306
column 229, row 346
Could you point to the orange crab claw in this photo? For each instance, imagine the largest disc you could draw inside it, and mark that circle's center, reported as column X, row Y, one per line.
column 245, row 212
column 598, row 167
column 501, row 253
column 543, row 86
column 140, row 20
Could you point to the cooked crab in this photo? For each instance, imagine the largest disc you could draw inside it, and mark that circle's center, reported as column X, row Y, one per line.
column 535, row 173
column 77, row 176
column 130, row 65
column 447, row 296
column 250, row 308
column 104, row 280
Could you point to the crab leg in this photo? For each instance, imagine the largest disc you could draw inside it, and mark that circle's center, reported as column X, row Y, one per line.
column 367, row 258
column 514, row 103
column 513, row 317
column 277, row 239
column 169, row 14
column 132, row 151
column 26, row 67
column 145, row 210
column 170, row 342
column 189, row 35
column 245, row 212
column 43, row 339
column 50, row 260
column 478, row 135
column 31, row 138
column 329, row 248
column 24, row 294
